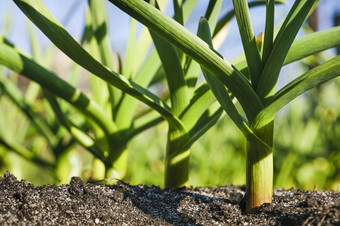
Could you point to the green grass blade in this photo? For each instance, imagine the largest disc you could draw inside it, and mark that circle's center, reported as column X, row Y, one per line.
column 195, row 48
column 41, row 17
column 142, row 123
column 99, row 89
column 313, row 43
column 318, row 75
column 248, row 41
column 282, row 44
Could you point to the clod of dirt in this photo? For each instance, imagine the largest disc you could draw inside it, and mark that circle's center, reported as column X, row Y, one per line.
column 78, row 203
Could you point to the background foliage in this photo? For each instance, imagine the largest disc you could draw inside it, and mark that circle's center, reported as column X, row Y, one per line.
column 307, row 147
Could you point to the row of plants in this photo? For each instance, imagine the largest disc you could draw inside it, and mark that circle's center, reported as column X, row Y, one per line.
column 106, row 123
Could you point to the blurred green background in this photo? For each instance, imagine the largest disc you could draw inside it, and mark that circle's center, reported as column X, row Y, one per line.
column 306, row 148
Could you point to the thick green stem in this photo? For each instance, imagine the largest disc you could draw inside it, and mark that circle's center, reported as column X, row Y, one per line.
column 177, row 159
column 118, row 169
column 177, row 169
column 260, row 169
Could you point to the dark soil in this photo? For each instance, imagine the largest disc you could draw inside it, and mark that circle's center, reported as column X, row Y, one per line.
column 78, row 203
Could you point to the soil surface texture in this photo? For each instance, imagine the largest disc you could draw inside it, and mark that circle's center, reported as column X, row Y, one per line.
column 79, row 203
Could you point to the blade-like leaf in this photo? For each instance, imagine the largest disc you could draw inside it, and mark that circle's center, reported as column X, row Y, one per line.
column 213, row 12
column 269, row 31
column 17, row 97
column 40, row 16
column 230, row 14
column 79, row 135
column 174, row 74
column 307, row 45
column 318, row 75
column 22, row 64
column 282, row 44
column 313, row 43
column 199, row 103
column 218, row 89
column 248, row 41
column 99, row 26
column 195, row 48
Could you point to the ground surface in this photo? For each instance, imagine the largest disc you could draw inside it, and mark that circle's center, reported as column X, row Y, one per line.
column 79, row 203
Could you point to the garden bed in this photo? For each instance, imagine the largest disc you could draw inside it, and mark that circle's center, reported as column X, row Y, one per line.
column 80, row 203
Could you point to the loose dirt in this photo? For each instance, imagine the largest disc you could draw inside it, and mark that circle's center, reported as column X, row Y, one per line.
column 79, row 203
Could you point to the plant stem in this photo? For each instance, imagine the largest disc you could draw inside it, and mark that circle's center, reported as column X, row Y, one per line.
column 177, row 159
column 260, row 169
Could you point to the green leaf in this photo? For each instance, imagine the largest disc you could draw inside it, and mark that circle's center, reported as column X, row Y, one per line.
column 99, row 27
column 195, row 48
column 313, row 43
column 40, row 16
column 282, row 44
column 29, row 68
column 268, row 40
column 207, row 120
column 230, row 14
column 307, row 45
column 213, row 12
column 79, row 135
column 218, row 89
column 248, row 41
column 318, row 75
column 17, row 97
column 27, row 154
column 199, row 103
column 174, row 74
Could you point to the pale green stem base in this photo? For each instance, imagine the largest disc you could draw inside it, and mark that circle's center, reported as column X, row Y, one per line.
column 259, row 170
column 119, row 168
column 177, row 170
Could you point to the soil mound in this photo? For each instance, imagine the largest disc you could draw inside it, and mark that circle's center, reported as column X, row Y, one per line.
column 79, row 203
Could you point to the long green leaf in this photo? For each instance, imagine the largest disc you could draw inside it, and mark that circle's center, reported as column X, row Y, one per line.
column 40, row 16
column 313, row 43
column 22, row 64
column 199, row 103
column 16, row 96
column 174, row 74
column 207, row 120
column 248, row 41
column 27, row 154
column 218, row 89
column 195, row 48
column 99, row 26
column 79, row 135
column 268, row 40
column 282, row 44
column 318, row 75
column 307, row 45
column 230, row 14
